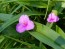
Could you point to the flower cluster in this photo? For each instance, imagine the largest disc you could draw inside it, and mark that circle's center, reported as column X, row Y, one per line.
column 26, row 24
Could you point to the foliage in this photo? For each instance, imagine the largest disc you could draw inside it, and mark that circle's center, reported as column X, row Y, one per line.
column 44, row 36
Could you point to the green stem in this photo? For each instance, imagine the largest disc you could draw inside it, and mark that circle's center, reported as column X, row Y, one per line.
column 49, row 24
column 40, row 45
column 23, row 8
column 47, row 10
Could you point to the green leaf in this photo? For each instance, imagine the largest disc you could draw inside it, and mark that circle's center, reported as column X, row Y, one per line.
column 60, row 31
column 18, row 48
column 5, row 17
column 38, row 4
column 6, row 43
column 50, row 34
column 58, row 7
column 42, row 46
column 16, row 9
column 22, row 42
column 1, row 38
column 45, row 39
column 10, row 31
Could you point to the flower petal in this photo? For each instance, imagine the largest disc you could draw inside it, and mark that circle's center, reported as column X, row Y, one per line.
column 57, row 19
column 49, row 20
column 30, row 25
column 20, row 28
column 23, row 18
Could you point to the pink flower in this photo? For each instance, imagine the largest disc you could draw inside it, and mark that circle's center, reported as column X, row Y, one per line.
column 52, row 18
column 24, row 24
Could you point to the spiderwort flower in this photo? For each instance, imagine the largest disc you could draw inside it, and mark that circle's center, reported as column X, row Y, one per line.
column 52, row 18
column 24, row 24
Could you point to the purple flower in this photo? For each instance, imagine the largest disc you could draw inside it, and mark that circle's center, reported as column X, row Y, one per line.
column 24, row 24
column 52, row 18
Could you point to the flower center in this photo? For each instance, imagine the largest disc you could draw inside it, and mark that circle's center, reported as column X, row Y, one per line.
column 51, row 19
column 25, row 24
